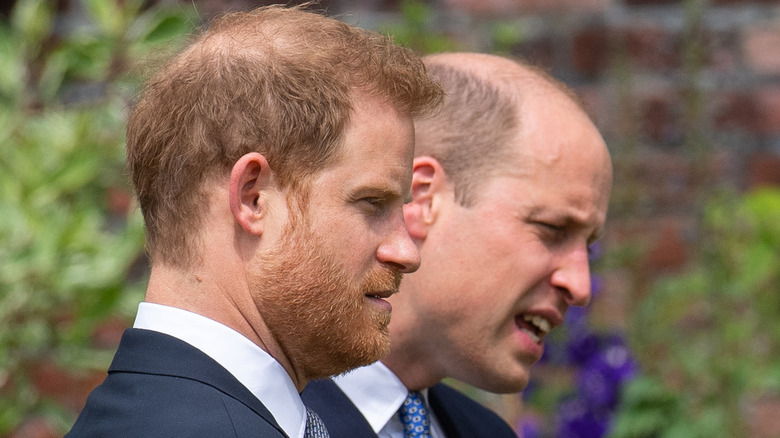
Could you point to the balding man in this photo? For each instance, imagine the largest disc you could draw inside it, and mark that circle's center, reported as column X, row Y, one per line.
column 510, row 187
column 271, row 159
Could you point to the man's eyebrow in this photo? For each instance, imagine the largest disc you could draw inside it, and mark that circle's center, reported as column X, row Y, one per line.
column 378, row 189
column 565, row 219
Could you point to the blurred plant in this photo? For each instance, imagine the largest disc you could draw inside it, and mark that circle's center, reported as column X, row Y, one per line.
column 417, row 29
column 710, row 337
column 597, row 365
column 68, row 235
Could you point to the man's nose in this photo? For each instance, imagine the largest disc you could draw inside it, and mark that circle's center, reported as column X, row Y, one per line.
column 398, row 250
column 572, row 276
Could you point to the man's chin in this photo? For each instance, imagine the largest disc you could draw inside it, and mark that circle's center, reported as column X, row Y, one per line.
column 351, row 355
column 500, row 382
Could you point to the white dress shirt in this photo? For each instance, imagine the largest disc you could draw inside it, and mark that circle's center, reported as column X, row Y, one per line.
column 378, row 394
column 250, row 364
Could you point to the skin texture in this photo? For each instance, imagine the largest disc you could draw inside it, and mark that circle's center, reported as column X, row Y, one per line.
column 520, row 249
column 293, row 281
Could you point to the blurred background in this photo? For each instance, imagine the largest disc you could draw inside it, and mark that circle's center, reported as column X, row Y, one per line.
column 683, row 336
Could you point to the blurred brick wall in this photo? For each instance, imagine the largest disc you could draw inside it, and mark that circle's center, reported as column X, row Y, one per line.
column 627, row 59
column 659, row 77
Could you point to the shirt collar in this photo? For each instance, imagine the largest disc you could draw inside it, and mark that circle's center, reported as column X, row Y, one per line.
column 249, row 364
column 376, row 391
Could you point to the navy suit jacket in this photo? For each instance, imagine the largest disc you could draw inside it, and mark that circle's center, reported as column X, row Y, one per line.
column 458, row 415
column 160, row 386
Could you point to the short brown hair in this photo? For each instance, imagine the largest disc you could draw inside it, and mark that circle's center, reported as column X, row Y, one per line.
column 278, row 81
column 471, row 133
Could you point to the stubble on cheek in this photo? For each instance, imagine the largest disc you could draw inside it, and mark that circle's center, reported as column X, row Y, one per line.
column 317, row 313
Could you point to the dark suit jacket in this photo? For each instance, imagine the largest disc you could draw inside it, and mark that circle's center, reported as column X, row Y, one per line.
column 459, row 416
column 160, row 386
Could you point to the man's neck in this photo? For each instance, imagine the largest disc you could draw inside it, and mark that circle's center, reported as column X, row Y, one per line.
column 201, row 293
column 412, row 370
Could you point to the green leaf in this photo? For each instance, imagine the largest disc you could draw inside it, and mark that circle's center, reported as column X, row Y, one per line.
column 12, row 70
column 107, row 15
column 160, row 26
column 32, row 20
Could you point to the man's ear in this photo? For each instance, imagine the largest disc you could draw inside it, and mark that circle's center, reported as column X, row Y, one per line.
column 250, row 176
column 428, row 182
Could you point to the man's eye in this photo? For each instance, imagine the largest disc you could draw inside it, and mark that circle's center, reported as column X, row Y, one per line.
column 550, row 227
column 374, row 205
column 552, row 232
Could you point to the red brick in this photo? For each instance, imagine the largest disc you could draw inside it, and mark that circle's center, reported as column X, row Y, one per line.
column 762, row 416
column 591, row 50
column 762, row 49
column 68, row 389
column 119, row 201
column 660, row 121
column 108, row 333
column 497, row 8
column 723, row 51
column 34, row 428
column 756, row 111
column 537, row 51
column 669, row 251
column 764, row 169
column 612, row 307
column 742, row 2
column 593, row 100
column 768, row 102
column 736, row 110
column 667, row 179
column 652, row 47
column 651, row 2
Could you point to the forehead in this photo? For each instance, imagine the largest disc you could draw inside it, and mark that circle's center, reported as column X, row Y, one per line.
column 561, row 163
column 377, row 147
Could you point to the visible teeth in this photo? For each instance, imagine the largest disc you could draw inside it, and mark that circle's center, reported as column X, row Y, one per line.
column 531, row 334
column 539, row 321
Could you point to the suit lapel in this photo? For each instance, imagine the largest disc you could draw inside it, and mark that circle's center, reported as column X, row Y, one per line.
column 150, row 352
column 448, row 422
column 340, row 415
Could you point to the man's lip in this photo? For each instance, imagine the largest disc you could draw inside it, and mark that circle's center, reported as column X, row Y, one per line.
column 554, row 317
column 381, row 294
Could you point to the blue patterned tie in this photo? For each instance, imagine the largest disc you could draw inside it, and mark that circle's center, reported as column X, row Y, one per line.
column 315, row 428
column 414, row 416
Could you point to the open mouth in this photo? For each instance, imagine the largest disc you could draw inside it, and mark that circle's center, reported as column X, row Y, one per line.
column 534, row 325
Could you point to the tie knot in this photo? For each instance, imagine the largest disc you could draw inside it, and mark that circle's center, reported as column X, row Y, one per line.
column 414, row 416
column 315, row 428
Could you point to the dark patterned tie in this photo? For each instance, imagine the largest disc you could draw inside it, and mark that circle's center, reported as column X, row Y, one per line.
column 414, row 416
column 315, row 428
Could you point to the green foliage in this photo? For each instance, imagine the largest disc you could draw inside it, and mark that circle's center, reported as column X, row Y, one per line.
column 505, row 35
column 711, row 335
column 68, row 237
column 417, row 29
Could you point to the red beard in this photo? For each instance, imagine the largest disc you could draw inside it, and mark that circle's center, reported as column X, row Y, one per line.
column 319, row 317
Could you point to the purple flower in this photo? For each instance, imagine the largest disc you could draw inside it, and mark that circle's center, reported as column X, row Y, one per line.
column 596, row 285
column 529, row 390
column 576, row 318
column 594, row 251
column 576, row 420
column 582, row 346
column 529, row 427
column 601, row 378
